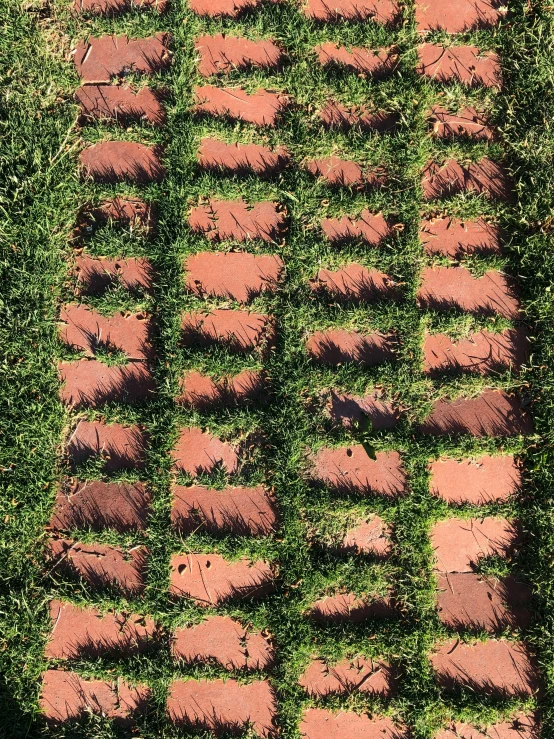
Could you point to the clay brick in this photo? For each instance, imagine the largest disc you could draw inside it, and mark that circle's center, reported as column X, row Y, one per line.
column 460, row 543
column 480, row 481
column 96, row 275
column 348, row 409
column 122, row 161
column 464, row 15
column 223, row 8
column 444, row 288
column 223, row 705
column 227, row 642
column 220, row 220
column 90, row 383
column 101, row 565
column 349, row 468
column 481, row 353
column 235, row 510
column 240, row 330
column 131, row 212
column 262, row 108
column 121, row 103
column 465, row 64
column 202, row 391
column 347, row 607
column 377, row 64
column 86, row 330
column 241, row 158
column 371, row 229
column 482, row 177
column 469, row 601
column 385, row 12
column 99, row 59
column 359, row 675
column 116, row 7
column 79, row 632
column 369, row 537
column 493, row 413
column 338, row 172
column 337, row 115
column 518, row 726
column 97, row 505
column 337, row 346
column 67, row 697
column 499, row 668
column 450, row 237
column 320, row 722
column 121, row 447
column 355, row 282
column 197, row 452
column 235, row 275
column 221, row 54
column 468, row 123
column 209, row 579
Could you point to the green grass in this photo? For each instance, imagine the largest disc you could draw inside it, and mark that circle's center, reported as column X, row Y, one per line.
column 40, row 195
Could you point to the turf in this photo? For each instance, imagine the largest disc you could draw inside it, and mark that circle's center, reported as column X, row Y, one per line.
column 40, row 194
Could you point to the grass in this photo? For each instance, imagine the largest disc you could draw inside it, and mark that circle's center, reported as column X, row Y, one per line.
column 40, row 195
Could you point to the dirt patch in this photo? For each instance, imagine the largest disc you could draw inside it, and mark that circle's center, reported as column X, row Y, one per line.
column 450, row 237
column 225, row 641
column 241, row 331
column 90, row 383
column 338, row 172
column 466, row 64
column 122, row 161
column 377, row 64
column 220, row 220
column 468, row 123
column 131, row 212
column 123, row 506
column 370, row 228
column 202, row 391
column 485, row 480
column 121, row 447
column 347, row 607
column 197, row 452
column 262, row 108
column 337, row 115
column 222, row 54
column 320, row 722
column 235, row 275
column 96, row 275
column 355, row 282
column 350, row 469
column 359, row 675
column 99, row 59
column 336, row 346
column 209, row 579
column 347, row 409
column 385, row 12
column 242, row 158
column 121, row 103
column 482, row 177
column 460, row 543
column 463, row 15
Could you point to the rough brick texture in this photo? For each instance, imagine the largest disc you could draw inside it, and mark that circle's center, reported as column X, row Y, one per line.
column 465, row 64
column 369, row 537
column 370, row 228
column 350, row 409
column 337, row 346
column 120, row 103
column 319, row 722
column 338, row 172
column 337, row 115
column 240, row 330
column 350, row 469
column 221, row 54
column 464, row 15
column 222, row 8
column 122, row 161
column 451, row 237
column 202, row 391
column 518, row 726
column 116, row 7
column 133, row 213
column 459, row 543
column 217, row 155
column 120, row 447
column 198, row 452
column 235, row 275
column 468, row 123
column 377, row 64
column 347, row 607
column 484, row 177
column 262, row 108
column 99, row 59
column 90, row 383
column 355, row 282
column 348, row 676
column 380, row 11
column 220, row 220
column 476, row 481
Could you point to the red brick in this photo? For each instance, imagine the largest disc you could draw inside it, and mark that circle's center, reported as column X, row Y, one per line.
column 492, row 413
column 227, row 642
column 119, row 102
column 337, row 115
column 97, row 505
column 209, row 579
column 379, row 11
column 450, row 237
column 122, row 161
column 90, row 383
column 240, row 330
column 86, row 330
column 371, row 229
column 377, row 64
column 262, row 108
column 101, row 565
column 116, row 7
column 235, row 275
column 215, row 154
column 221, row 54
column 369, row 537
column 121, row 447
column 469, row 601
column 223, row 705
column 202, row 391
column 338, row 172
column 348, row 607
column 465, row 64
column 220, row 220
column 346, row 409
column 459, row 543
column 359, row 675
column 337, row 346
column 99, row 59
column 518, row 726
column 79, row 632
column 349, row 468
column 494, row 293
column 222, row 8
column 355, row 282
column 236, row 510
column 320, row 722
column 131, row 212
column 96, row 275
column 499, row 668
column 197, row 452
column 485, row 479
column 482, row 177
column 468, row 123
column 67, row 697
column 464, row 15
column 481, row 353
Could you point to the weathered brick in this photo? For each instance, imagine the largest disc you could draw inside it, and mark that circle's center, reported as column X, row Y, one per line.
column 337, row 346
column 122, row 161
column 198, row 452
column 221, row 54
column 239, row 330
column 485, row 479
column 236, row 275
column 99, row 59
column 349, row 468
column 96, row 275
column 460, row 543
column 262, row 108
column 90, row 383
column 222, row 220
column 484, row 177
column 465, row 64
column 348, row 676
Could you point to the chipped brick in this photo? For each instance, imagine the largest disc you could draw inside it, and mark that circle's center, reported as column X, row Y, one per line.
column 338, row 172
column 131, row 212
column 99, row 59
column 215, row 154
column 371, row 229
column 369, row 537
column 359, row 675
column 348, row 409
column 337, row 115
column 202, row 391
column 518, row 726
column 96, row 275
column 467, row 123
